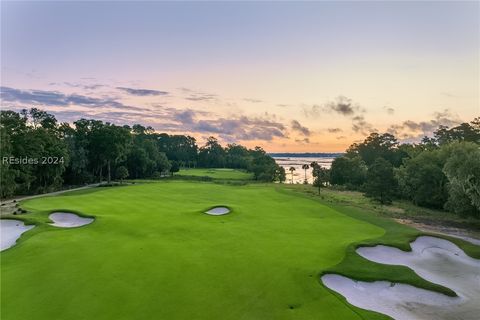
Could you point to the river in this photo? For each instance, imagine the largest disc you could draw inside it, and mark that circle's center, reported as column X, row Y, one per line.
column 298, row 161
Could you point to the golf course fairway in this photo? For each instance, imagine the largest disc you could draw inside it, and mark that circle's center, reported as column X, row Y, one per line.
column 152, row 253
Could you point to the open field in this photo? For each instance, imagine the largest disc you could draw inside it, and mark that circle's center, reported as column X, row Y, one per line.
column 153, row 254
column 219, row 174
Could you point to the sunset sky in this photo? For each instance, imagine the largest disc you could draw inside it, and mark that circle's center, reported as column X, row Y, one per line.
column 299, row 77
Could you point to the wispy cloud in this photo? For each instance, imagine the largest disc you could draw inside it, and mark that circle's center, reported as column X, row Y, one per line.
column 389, row 110
column 341, row 105
column 71, row 107
column 92, row 86
column 296, row 126
column 185, row 117
column 360, row 125
column 194, row 95
column 55, row 98
column 142, row 92
column 201, row 97
column 253, row 100
column 411, row 129
column 243, row 128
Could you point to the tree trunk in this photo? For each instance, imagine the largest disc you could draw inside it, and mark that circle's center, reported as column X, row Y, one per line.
column 108, row 167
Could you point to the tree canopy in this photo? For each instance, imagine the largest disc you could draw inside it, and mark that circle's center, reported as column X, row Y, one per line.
column 442, row 171
column 91, row 150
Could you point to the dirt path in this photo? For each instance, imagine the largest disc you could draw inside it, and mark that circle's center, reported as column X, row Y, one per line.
column 9, row 206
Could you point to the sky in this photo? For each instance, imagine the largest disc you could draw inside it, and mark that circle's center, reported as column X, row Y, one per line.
column 288, row 76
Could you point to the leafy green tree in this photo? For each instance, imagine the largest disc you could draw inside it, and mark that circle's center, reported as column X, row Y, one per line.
column 262, row 165
column 237, row 156
column 212, row 155
column 467, row 132
column 178, row 147
column 348, row 171
column 380, row 183
column 109, row 145
column 121, row 173
column 7, row 173
column 280, row 174
column 163, row 165
column 321, row 175
column 33, row 135
column 422, row 180
column 175, row 167
column 462, row 169
column 376, row 146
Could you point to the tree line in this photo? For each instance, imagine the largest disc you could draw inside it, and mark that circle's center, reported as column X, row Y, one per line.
column 441, row 172
column 40, row 155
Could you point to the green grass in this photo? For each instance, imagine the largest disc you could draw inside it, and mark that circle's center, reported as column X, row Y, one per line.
column 153, row 254
column 220, row 174
column 396, row 235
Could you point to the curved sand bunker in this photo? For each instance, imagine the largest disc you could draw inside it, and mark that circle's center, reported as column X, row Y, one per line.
column 436, row 260
column 68, row 220
column 218, row 211
column 10, row 231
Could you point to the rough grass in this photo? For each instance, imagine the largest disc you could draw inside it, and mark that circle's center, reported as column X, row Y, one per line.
column 400, row 209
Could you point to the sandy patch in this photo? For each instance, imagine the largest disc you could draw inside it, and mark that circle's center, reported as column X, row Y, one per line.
column 434, row 259
column 399, row 301
column 68, row 220
column 218, row 211
column 10, row 231
column 467, row 235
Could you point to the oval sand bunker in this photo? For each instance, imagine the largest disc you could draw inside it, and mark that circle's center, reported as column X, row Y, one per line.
column 218, row 211
column 68, row 220
column 11, row 230
column 436, row 260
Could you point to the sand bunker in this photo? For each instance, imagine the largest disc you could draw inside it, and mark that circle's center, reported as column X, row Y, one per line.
column 10, row 231
column 218, row 211
column 436, row 260
column 68, row 220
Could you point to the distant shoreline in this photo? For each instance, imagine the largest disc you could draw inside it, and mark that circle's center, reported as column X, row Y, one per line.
column 306, row 154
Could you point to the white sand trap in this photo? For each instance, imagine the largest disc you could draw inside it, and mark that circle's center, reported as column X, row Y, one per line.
column 10, row 231
column 68, row 220
column 436, row 260
column 218, row 211
column 399, row 301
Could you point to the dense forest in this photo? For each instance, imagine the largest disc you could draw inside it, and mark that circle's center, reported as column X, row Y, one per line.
column 39, row 154
column 441, row 172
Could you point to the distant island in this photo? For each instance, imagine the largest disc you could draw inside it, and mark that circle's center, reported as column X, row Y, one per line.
column 306, row 155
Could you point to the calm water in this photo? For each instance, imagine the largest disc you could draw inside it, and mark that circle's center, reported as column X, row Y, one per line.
column 297, row 162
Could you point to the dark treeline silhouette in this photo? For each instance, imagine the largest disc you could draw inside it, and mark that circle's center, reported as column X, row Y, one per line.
column 441, row 172
column 39, row 154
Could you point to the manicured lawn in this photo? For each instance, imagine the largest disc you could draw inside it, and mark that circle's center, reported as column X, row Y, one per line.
column 153, row 254
column 221, row 174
